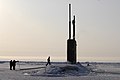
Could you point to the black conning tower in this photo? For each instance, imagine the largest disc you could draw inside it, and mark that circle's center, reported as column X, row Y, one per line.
column 71, row 42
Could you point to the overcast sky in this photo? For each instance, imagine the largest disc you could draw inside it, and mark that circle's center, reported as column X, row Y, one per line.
column 40, row 28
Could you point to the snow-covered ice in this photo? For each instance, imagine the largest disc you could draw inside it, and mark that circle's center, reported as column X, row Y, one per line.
column 60, row 71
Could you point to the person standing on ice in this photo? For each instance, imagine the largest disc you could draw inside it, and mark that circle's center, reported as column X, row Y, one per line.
column 14, row 64
column 11, row 64
column 48, row 61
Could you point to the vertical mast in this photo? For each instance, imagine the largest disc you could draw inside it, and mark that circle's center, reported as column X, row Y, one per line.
column 69, row 21
column 73, row 27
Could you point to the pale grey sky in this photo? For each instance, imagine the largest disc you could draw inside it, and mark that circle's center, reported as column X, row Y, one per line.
column 40, row 28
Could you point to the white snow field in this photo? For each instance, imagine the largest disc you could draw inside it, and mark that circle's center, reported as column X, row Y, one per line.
column 60, row 71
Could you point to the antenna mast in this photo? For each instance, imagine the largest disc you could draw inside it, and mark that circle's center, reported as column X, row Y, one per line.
column 69, row 21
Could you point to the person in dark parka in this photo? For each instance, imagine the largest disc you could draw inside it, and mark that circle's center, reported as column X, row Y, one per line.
column 48, row 61
column 14, row 64
column 11, row 64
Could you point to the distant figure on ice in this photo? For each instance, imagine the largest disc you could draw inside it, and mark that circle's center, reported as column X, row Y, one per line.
column 14, row 64
column 48, row 61
column 11, row 64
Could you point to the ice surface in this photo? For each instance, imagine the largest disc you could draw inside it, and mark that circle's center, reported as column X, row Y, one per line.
column 61, row 71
